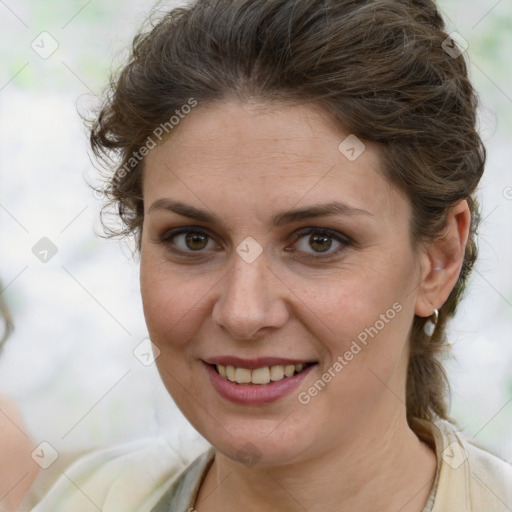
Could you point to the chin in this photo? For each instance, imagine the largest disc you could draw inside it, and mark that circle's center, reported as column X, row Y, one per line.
column 260, row 444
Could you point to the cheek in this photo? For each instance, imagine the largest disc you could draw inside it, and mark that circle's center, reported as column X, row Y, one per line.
column 364, row 335
column 156, row 298
column 362, row 315
column 348, row 305
column 174, row 303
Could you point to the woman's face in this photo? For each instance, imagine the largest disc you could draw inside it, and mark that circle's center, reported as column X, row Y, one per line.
column 265, row 245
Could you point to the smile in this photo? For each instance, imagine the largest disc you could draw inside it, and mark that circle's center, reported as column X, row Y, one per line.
column 256, row 381
column 263, row 375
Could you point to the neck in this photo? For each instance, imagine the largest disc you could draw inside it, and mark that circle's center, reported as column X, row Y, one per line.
column 381, row 468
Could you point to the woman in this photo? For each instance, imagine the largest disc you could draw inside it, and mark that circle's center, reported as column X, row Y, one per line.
column 299, row 178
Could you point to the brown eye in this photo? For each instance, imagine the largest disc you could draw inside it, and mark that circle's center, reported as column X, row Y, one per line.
column 317, row 242
column 320, row 243
column 189, row 241
column 196, row 241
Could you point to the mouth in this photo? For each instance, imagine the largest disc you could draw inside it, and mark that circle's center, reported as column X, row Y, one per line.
column 256, row 381
column 259, row 376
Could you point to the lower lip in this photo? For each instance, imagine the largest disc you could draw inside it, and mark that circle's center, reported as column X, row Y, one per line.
column 255, row 394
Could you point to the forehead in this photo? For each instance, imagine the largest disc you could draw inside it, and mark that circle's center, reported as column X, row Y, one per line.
column 280, row 153
column 295, row 133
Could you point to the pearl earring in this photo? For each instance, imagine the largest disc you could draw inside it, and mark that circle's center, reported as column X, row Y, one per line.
column 430, row 324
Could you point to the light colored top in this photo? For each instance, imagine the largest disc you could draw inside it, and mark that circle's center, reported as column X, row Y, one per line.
column 147, row 477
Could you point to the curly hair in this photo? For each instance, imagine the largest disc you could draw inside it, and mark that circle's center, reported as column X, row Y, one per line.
column 380, row 68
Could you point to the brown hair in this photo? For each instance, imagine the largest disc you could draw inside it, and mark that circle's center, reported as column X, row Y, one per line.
column 378, row 67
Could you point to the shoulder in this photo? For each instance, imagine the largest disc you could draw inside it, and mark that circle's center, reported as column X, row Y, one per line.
column 470, row 477
column 15, row 456
column 130, row 477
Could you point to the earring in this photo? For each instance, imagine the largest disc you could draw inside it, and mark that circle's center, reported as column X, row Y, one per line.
column 430, row 324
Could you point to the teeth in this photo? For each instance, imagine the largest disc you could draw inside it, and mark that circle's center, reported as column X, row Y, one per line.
column 276, row 372
column 242, row 375
column 230, row 373
column 262, row 375
column 289, row 370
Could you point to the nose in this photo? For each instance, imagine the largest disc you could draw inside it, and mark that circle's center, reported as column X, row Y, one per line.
column 252, row 300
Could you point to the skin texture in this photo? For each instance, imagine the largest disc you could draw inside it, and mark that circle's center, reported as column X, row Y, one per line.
column 350, row 447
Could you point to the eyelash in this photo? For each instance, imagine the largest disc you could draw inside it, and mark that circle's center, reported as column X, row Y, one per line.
column 343, row 240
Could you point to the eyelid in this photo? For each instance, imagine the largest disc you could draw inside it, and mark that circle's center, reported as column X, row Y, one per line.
column 341, row 238
column 327, row 231
column 170, row 234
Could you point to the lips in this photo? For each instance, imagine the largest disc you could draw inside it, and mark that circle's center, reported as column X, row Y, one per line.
column 256, row 381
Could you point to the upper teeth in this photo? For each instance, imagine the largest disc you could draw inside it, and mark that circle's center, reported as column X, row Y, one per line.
column 259, row 375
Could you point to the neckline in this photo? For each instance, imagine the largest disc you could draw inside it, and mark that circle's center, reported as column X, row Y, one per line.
column 430, row 434
column 183, row 492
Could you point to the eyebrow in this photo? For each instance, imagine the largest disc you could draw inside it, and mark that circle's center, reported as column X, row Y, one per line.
column 287, row 217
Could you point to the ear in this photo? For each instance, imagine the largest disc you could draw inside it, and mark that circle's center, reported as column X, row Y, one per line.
column 442, row 261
